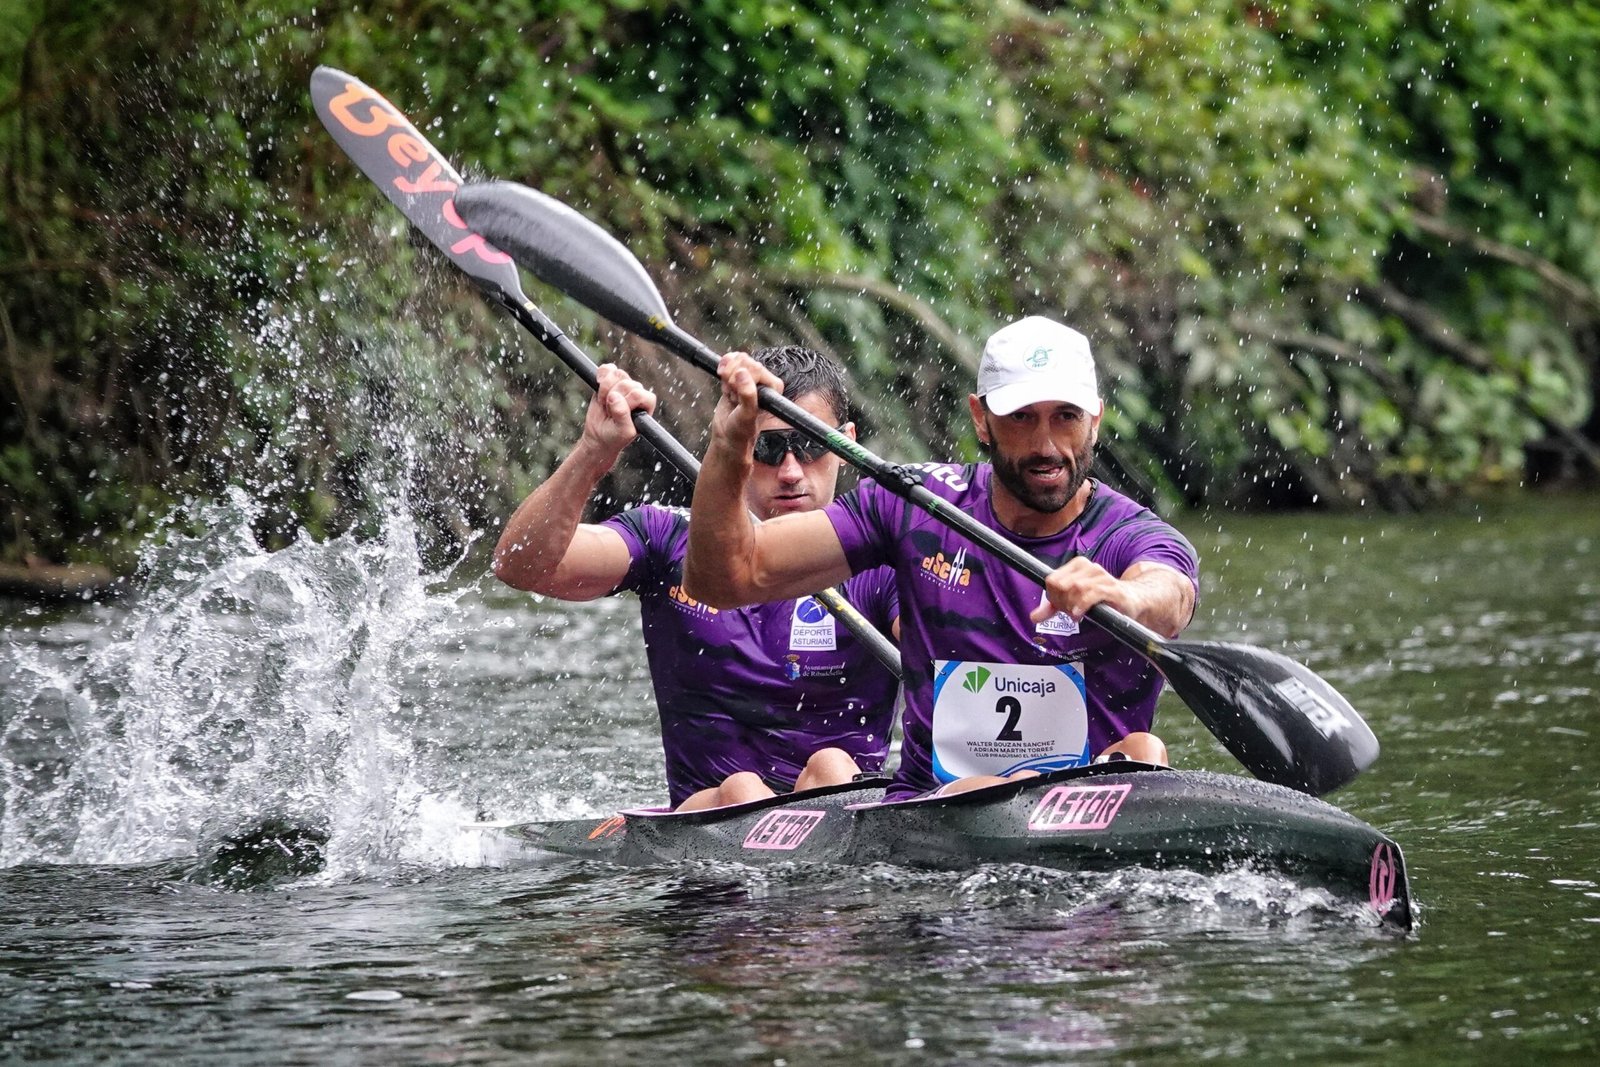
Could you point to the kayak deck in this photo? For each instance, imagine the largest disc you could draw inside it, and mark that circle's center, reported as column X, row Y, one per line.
column 1096, row 818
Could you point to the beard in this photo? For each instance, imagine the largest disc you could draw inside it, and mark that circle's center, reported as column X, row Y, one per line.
column 1012, row 473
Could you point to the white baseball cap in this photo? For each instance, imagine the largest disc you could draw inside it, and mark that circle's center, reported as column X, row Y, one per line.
column 1036, row 359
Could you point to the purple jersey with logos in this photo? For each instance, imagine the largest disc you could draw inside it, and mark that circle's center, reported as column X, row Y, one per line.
column 760, row 688
column 988, row 691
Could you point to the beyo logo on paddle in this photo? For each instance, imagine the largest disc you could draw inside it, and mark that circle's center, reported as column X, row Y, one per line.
column 421, row 171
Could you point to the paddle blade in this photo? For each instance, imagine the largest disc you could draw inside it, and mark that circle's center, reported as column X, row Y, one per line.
column 410, row 171
column 1280, row 719
column 565, row 250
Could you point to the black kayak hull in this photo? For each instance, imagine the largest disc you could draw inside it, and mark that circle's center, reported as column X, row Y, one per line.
column 1098, row 818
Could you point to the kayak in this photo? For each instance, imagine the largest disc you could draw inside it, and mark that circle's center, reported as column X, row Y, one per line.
column 1278, row 718
column 1101, row 817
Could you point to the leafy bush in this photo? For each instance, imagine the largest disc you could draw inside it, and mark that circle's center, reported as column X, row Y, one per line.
column 1338, row 252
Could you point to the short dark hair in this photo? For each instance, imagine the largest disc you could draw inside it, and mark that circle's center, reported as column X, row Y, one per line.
column 803, row 371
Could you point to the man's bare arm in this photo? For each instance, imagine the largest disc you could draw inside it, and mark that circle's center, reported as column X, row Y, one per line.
column 544, row 547
column 1150, row 593
column 1165, row 600
column 786, row 557
column 732, row 559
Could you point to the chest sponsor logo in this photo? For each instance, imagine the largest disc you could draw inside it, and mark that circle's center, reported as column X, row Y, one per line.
column 946, row 474
column 794, row 669
column 951, row 572
column 782, row 830
column 688, row 604
column 974, row 681
column 811, row 627
column 1328, row 719
column 1078, row 807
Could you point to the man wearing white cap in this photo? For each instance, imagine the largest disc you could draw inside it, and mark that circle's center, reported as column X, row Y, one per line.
column 999, row 681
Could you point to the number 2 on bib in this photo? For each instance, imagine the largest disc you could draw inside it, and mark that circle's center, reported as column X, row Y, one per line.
column 1011, row 708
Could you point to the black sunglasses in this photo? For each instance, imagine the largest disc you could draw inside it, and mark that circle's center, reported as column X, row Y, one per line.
column 773, row 445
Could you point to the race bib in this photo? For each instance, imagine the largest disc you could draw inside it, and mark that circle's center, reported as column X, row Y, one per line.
column 999, row 718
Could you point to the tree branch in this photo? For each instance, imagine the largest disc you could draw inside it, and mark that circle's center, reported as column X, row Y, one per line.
column 1566, row 285
column 1445, row 338
column 30, row 416
column 1430, row 324
column 887, row 293
column 1277, row 335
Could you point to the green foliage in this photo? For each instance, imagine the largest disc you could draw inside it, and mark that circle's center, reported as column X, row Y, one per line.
column 1341, row 251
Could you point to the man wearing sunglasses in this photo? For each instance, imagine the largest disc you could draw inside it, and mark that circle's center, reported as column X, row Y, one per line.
column 1000, row 680
column 755, row 700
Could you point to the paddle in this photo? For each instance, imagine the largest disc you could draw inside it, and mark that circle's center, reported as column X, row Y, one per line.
column 422, row 184
column 1282, row 721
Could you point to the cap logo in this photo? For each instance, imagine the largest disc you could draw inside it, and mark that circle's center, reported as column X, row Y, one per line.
column 1039, row 359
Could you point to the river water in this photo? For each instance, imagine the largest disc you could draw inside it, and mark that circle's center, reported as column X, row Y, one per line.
column 338, row 686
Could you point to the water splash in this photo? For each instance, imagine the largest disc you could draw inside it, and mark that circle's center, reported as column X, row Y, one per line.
column 243, row 687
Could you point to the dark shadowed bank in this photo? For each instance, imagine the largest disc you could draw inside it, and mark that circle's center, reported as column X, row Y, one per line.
column 1334, row 254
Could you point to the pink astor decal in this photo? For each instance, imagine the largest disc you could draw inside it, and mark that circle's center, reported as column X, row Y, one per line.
column 1381, row 882
column 782, row 829
column 1079, row 807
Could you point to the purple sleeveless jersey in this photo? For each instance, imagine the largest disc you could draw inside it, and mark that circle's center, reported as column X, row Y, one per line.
column 987, row 690
column 759, row 688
